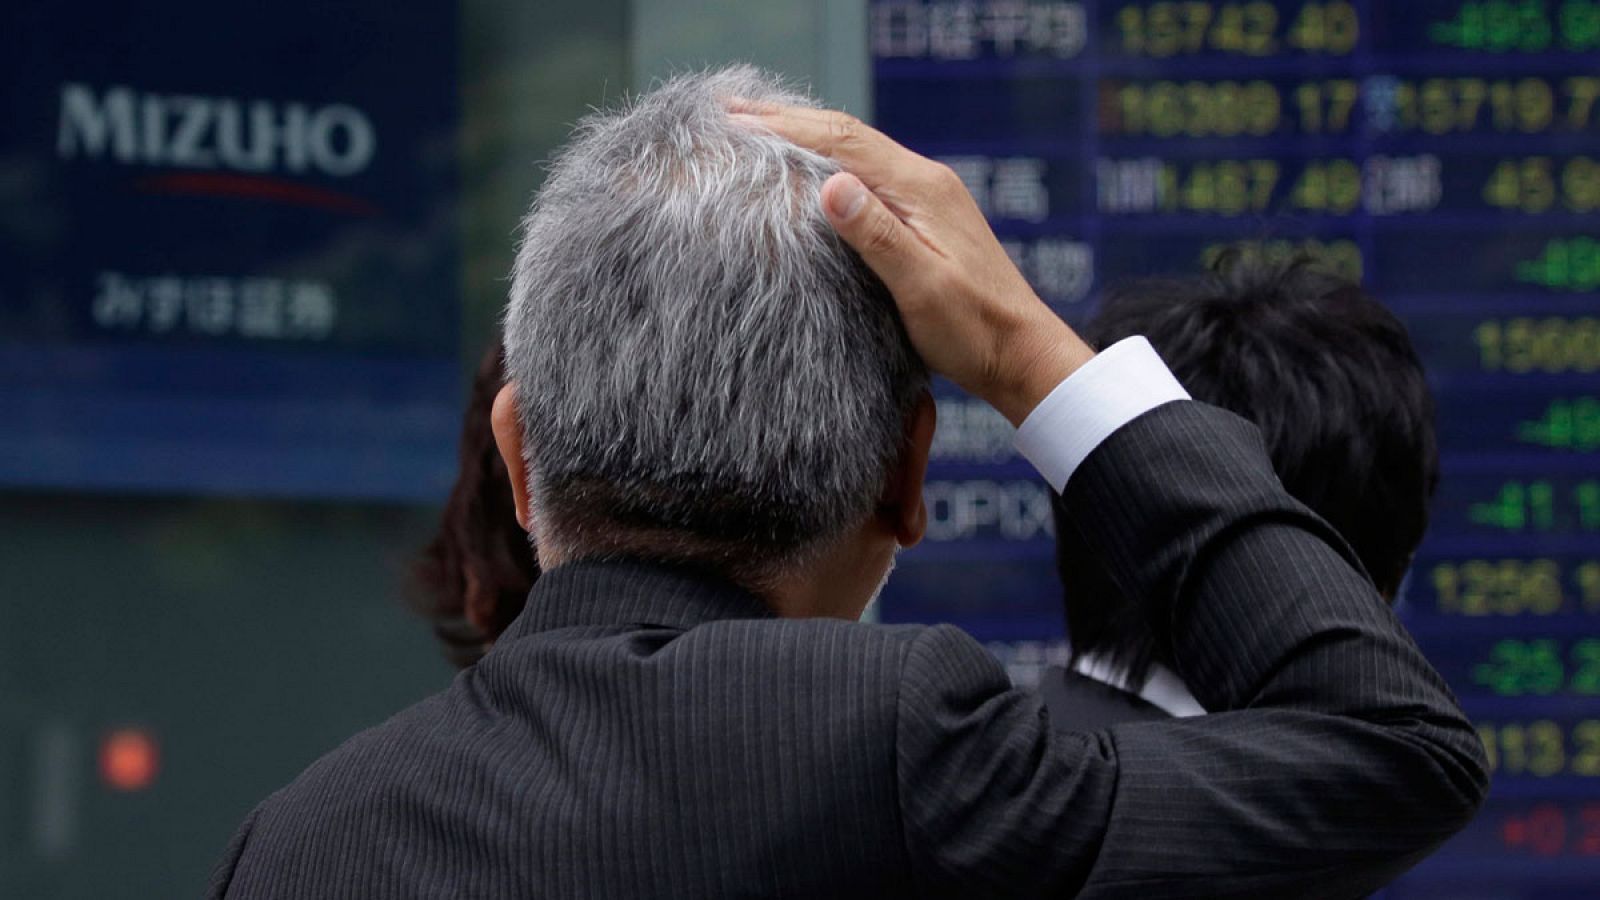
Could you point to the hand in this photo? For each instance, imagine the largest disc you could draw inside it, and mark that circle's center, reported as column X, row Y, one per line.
column 968, row 310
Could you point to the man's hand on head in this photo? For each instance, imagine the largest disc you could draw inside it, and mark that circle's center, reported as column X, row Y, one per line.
column 969, row 312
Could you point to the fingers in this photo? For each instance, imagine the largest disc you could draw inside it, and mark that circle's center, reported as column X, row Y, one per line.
column 750, row 107
column 856, row 146
column 886, row 244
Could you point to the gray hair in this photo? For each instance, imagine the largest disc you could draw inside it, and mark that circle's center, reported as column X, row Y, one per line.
column 705, row 371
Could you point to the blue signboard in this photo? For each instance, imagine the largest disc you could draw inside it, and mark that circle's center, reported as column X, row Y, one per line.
column 228, row 248
column 1447, row 152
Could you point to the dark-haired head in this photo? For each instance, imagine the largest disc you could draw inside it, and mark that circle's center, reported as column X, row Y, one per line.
column 474, row 576
column 1326, row 372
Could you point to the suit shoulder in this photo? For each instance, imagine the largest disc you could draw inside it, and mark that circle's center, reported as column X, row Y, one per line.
column 919, row 653
column 824, row 652
column 362, row 764
column 944, row 661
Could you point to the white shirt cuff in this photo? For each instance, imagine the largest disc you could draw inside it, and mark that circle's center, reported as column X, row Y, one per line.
column 1120, row 384
column 1164, row 690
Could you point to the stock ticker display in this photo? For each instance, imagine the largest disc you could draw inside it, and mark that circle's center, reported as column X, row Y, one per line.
column 1445, row 152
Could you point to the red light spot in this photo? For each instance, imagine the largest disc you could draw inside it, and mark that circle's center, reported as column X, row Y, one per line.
column 1514, row 832
column 129, row 759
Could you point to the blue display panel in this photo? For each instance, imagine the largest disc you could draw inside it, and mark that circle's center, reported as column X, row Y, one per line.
column 228, row 247
column 1448, row 153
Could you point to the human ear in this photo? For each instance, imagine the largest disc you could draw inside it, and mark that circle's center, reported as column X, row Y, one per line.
column 507, row 425
column 902, row 509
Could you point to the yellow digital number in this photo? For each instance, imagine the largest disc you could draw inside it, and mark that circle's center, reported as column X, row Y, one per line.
column 1588, row 579
column 1580, row 185
column 1226, row 187
column 1325, row 106
column 1441, row 106
column 1507, row 587
column 1198, row 192
column 1167, row 29
column 1527, row 106
column 1430, row 106
column 1167, row 109
column 1264, row 108
column 1332, row 28
column 1582, row 345
column 1553, row 345
column 1163, row 30
column 1131, row 22
column 1490, row 337
column 1468, row 97
column 1228, row 35
column 1586, row 748
column 1582, row 91
column 1548, row 751
column 1527, row 185
column 1264, row 175
column 1196, row 19
column 1260, row 29
column 1332, row 186
column 1525, row 748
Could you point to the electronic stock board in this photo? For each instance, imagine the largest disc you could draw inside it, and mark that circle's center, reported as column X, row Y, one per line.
column 1445, row 152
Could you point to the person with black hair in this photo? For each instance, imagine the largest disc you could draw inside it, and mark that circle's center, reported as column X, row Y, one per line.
column 1329, row 377
column 472, row 579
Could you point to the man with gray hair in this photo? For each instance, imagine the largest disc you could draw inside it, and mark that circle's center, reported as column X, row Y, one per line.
column 705, row 373
column 717, row 430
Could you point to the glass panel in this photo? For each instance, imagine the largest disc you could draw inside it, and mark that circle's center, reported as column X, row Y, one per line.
column 246, row 257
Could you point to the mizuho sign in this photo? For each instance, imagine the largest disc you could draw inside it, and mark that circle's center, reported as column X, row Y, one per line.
column 193, row 132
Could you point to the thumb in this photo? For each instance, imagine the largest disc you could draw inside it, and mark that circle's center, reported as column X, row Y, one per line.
column 885, row 243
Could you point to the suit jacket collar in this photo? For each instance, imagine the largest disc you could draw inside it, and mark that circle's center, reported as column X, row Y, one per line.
column 632, row 593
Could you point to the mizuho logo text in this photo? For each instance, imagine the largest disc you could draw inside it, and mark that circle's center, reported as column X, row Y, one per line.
column 193, row 132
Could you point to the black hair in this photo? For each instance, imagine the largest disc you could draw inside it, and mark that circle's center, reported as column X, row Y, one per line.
column 1326, row 372
column 473, row 578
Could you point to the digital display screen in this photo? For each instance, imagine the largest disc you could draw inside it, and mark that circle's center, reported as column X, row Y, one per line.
column 228, row 248
column 1445, row 152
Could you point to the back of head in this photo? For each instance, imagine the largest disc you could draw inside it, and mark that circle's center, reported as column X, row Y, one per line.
column 1326, row 372
column 705, row 372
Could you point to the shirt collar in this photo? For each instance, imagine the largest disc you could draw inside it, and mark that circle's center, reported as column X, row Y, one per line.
column 631, row 592
column 1164, row 690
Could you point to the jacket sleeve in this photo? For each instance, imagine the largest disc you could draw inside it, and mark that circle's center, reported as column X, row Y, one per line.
column 1336, row 757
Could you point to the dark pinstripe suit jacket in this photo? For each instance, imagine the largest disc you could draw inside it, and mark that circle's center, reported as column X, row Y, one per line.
column 645, row 732
column 1078, row 702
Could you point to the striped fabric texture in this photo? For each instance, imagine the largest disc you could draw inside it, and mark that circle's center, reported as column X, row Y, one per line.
column 646, row 731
